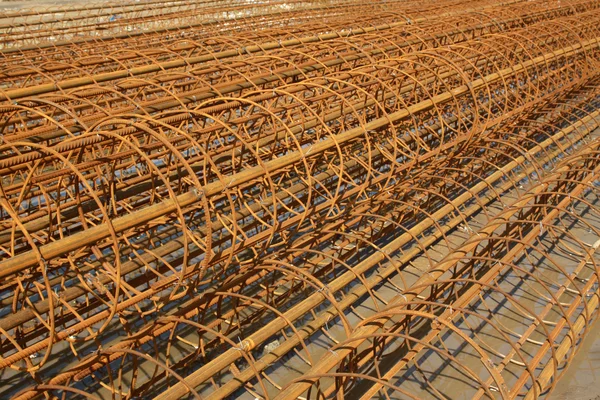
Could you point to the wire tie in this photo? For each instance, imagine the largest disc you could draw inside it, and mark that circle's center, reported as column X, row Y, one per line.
column 325, row 288
column 241, row 347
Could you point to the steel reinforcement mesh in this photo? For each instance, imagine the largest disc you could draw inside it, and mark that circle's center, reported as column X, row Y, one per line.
column 330, row 199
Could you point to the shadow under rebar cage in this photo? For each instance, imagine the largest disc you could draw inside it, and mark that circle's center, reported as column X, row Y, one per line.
column 297, row 199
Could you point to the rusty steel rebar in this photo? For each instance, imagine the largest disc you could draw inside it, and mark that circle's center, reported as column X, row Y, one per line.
column 297, row 200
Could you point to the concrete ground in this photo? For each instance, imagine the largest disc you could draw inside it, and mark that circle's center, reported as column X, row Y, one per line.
column 582, row 379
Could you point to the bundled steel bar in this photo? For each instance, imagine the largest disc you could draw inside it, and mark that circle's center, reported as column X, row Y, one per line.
column 374, row 204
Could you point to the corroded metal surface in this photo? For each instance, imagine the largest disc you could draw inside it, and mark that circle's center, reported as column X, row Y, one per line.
column 293, row 200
